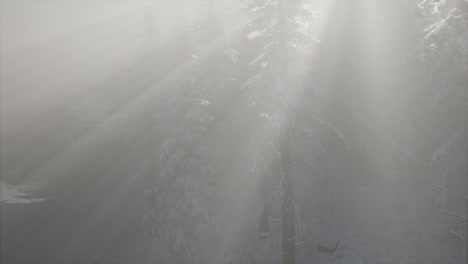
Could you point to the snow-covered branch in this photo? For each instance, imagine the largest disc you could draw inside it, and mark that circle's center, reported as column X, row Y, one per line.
column 453, row 193
column 453, row 214
column 459, row 235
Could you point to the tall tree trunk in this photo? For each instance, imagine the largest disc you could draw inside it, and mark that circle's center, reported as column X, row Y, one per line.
column 288, row 241
column 466, row 172
column 263, row 224
column 288, row 216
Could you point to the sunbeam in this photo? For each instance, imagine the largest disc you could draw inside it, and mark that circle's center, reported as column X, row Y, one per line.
column 224, row 131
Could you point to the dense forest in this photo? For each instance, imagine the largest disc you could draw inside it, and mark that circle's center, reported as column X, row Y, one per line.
column 234, row 131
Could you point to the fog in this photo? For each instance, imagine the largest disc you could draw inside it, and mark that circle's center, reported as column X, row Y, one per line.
column 223, row 131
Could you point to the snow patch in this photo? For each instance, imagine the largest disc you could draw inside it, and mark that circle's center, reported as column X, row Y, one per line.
column 11, row 194
column 255, row 34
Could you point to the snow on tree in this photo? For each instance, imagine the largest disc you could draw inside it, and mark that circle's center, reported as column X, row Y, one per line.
column 442, row 57
column 184, row 199
column 444, row 52
column 275, row 54
column 183, row 193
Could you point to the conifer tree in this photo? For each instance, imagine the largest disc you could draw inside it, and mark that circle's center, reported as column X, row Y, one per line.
column 274, row 51
column 179, row 210
column 442, row 63
column 183, row 199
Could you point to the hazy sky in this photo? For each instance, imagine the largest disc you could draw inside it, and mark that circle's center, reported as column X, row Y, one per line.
column 26, row 23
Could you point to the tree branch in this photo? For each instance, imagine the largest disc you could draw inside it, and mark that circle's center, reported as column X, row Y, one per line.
column 453, row 214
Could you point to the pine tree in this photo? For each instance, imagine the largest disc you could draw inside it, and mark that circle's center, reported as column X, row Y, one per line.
column 179, row 210
column 442, row 60
column 275, row 54
column 184, row 197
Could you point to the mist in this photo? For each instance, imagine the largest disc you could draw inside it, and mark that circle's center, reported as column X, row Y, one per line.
column 224, row 131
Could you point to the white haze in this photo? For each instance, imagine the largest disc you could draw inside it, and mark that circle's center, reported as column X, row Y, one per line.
column 127, row 136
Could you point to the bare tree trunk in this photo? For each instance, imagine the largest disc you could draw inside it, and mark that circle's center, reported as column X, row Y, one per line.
column 288, row 216
column 288, row 240
column 263, row 224
column 466, row 172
